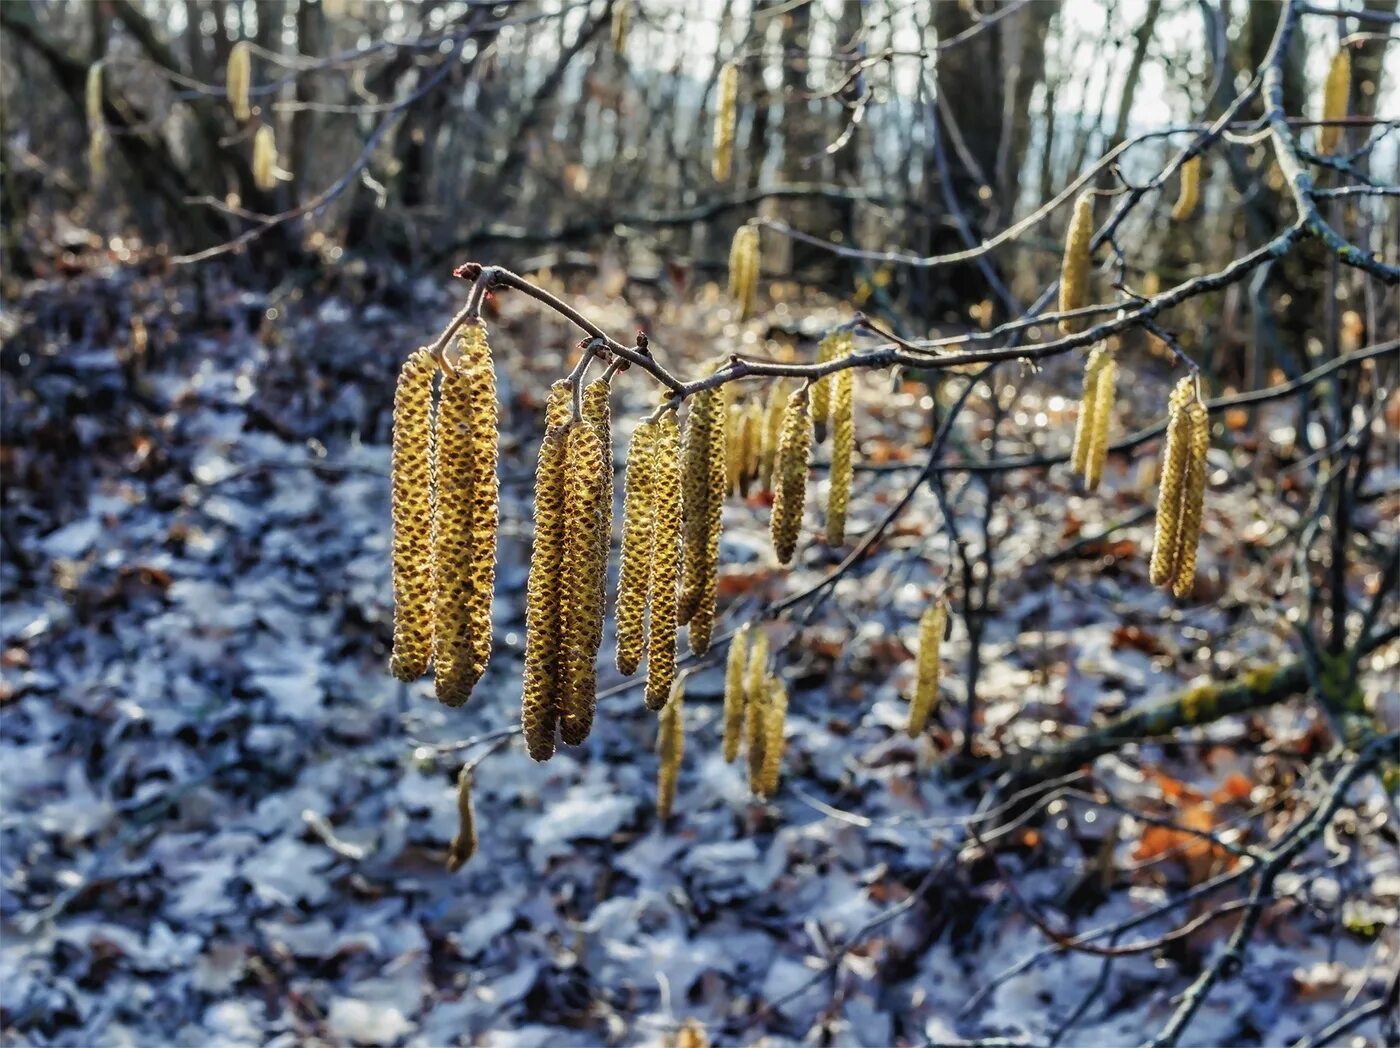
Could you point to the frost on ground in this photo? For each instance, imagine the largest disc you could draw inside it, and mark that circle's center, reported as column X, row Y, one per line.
column 225, row 824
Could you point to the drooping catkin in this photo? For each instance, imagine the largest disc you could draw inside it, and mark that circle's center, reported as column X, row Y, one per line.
column 1172, row 484
column 1104, row 392
column 1192, row 500
column 583, row 495
column 753, row 446
column 734, row 447
column 1335, row 92
column 756, row 705
column 843, row 443
column 790, row 475
column 634, row 569
column 743, row 269
column 774, row 722
column 700, row 427
column 484, row 421
column 670, row 748
column 620, row 15
column 735, row 667
column 1190, row 193
column 726, row 113
column 97, row 155
column 1088, row 402
column 265, row 158
column 539, row 711
column 411, row 486
column 665, row 561
column 238, row 79
column 772, row 433
column 931, row 626
column 598, row 413
column 463, row 845
column 1074, row 268
column 834, row 346
column 702, row 619
column 93, row 96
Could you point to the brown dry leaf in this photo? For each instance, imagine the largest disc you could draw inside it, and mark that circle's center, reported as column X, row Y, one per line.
column 1137, row 639
column 1235, row 788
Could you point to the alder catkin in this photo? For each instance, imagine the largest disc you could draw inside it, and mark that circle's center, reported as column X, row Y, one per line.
column 726, row 113
column 772, row 433
column 756, row 705
column 1334, row 101
column 411, row 487
column 834, row 346
column 634, row 569
column 584, row 469
column 1190, row 193
column 1164, row 543
column 931, row 626
column 843, row 443
column 1088, row 402
column 774, row 721
column 695, row 494
column 265, row 158
column 702, row 619
column 463, row 845
column 665, row 561
column 743, row 269
column 1104, row 393
column 1074, row 268
column 238, row 80
column 790, row 475
column 735, row 667
column 539, row 711
column 670, row 748
column 1192, row 500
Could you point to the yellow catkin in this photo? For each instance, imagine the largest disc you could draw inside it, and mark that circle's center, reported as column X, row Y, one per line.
column 621, row 12
column 1104, row 394
column 756, row 705
column 1074, row 268
column 484, row 422
column 665, row 562
column 93, row 96
column 1174, row 458
column 598, row 414
column 931, row 627
column 634, row 570
column 774, row 721
column 695, row 494
column 1088, row 402
column 843, row 444
column 539, row 711
column 463, row 845
column 1192, row 500
column 702, row 620
column 734, row 668
column 726, row 112
column 834, row 346
column 753, row 446
column 1334, row 101
column 1190, row 193
column 583, row 495
column 97, row 155
column 670, row 748
column 772, row 433
column 411, row 484
column 238, row 79
column 265, row 158
column 734, row 447
column 790, row 476
column 743, row 269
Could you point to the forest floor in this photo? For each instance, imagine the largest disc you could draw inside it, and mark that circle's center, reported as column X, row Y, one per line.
column 225, row 824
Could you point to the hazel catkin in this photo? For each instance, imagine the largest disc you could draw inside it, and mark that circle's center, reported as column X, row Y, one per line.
column 843, row 442
column 238, row 80
column 1088, row 402
column 265, row 158
column 790, row 475
column 774, row 722
column 1335, row 93
column 772, row 433
column 1074, row 268
column 583, row 496
column 735, row 667
column 1190, row 193
column 670, row 748
column 931, row 626
column 598, row 414
column 695, row 494
column 756, row 705
column 1192, row 500
column 539, row 710
column 411, row 487
column 1172, row 484
column 634, row 569
column 463, row 845
column 1104, row 393
column 665, row 561
column 752, row 439
column 702, row 619
column 93, row 96
column 726, row 113
column 834, row 346
column 743, row 269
